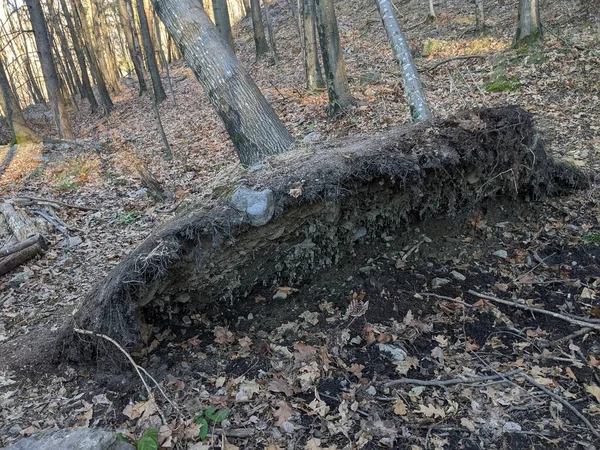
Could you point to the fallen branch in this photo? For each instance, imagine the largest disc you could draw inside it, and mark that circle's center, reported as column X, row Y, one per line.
column 13, row 248
column 562, row 401
column 452, row 381
column 579, row 321
column 454, row 58
column 21, row 252
column 53, row 202
column 444, row 297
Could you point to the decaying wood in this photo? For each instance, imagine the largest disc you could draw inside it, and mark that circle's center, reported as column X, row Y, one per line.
column 21, row 226
column 154, row 187
column 21, row 252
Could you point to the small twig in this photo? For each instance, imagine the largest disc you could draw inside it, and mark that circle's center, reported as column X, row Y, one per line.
column 561, row 401
column 454, row 58
column 579, row 321
column 451, row 381
column 443, row 297
column 578, row 333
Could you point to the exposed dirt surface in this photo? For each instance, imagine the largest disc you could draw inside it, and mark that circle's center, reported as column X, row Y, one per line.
column 306, row 369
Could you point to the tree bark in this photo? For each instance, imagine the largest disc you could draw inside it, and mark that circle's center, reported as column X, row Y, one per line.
column 159, row 91
column 86, row 85
column 259, row 29
column 479, row 17
column 271, row 33
column 312, row 66
column 103, row 48
column 419, row 108
column 14, row 115
column 431, row 10
column 221, row 12
column 103, row 95
column 333, row 59
column 133, row 46
column 253, row 126
column 40, row 32
column 529, row 26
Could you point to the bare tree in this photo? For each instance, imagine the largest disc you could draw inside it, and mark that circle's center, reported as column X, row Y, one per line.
column 271, row 33
column 333, row 58
column 419, row 109
column 479, row 17
column 20, row 131
column 133, row 45
column 431, row 10
column 221, row 12
column 40, row 32
column 253, row 126
column 529, row 27
column 312, row 66
column 260, row 40
column 159, row 91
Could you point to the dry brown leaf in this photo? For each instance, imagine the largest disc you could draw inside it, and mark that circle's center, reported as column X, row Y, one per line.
column 594, row 390
column 431, row 411
column 280, row 385
column 223, row 336
column 400, row 407
column 283, row 413
column 468, row 424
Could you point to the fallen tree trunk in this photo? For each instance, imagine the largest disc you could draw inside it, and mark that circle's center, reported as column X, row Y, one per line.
column 325, row 202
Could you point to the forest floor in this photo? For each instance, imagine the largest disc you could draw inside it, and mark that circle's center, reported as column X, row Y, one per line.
column 299, row 372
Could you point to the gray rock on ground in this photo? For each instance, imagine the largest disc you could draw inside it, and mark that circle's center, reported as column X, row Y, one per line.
column 72, row 439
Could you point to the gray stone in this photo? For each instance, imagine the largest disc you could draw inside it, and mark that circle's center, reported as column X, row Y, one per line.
column 312, row 137
column 437, row 282
column 74, row 241
column 397, row 353
column 280, row 295
column 501, row 254
column 259, row 206
column 256, row 168
column 142, row 191
column 72, row 439
column 458, row 276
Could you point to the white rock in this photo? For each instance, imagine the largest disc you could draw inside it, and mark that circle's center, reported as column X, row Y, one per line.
column 500, row 254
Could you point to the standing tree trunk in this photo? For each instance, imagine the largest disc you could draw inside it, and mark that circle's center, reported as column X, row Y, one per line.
column 133, row 46
column 529, row 27
column 333, row 59
column 103, row 49
column 40, row 32
column 479, row 17
column 221, row 12
column 271, row 34
column 86, row 85
column 419, row 109
column 259, row 29
column 19, row 129
column 432, row 15
column 97, row 74
column 312, row 66
column 159, row 91
column 253, row 126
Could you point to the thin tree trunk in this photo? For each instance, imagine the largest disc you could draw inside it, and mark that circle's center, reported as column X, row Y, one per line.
column 165, row 63
column 479, row 17
column 253, row 126
column 529, row 26
column 23, row 48
column 259, row 29
column 333, row 58
column 419, row 109
column 20, row 131
column 159, row 91
column 103, row 49
column 161, row 130
column 431, row 10
column 312, row 66
column 127, row 25
column 271, row 33
column 86, row 85
column 97, row 74
column 221, row 12
column 40, row 32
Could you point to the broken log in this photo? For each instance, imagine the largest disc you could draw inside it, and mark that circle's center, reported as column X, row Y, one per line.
column 151, row 183
column 12, row 256
column 327, row 201
column 18, row 222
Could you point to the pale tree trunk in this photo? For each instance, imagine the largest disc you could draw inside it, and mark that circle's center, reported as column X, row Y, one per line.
column 102, row 48
column 419, row 109
column 221, row 12
column 253, row 126
column 271, row 33
column 133, row 46
column 333, row 58
column 431, row 10
column 14, row 115
column 259, row 29
column 529, row 27
column 164, row 60
column 479, row 17
column 82, row 25
column 40, row 32
column 312, row 66
column 159, row 91
column 86, row 85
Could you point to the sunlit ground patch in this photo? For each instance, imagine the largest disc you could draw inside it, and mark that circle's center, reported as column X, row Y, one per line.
column 446, row 49
column 15, row 168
